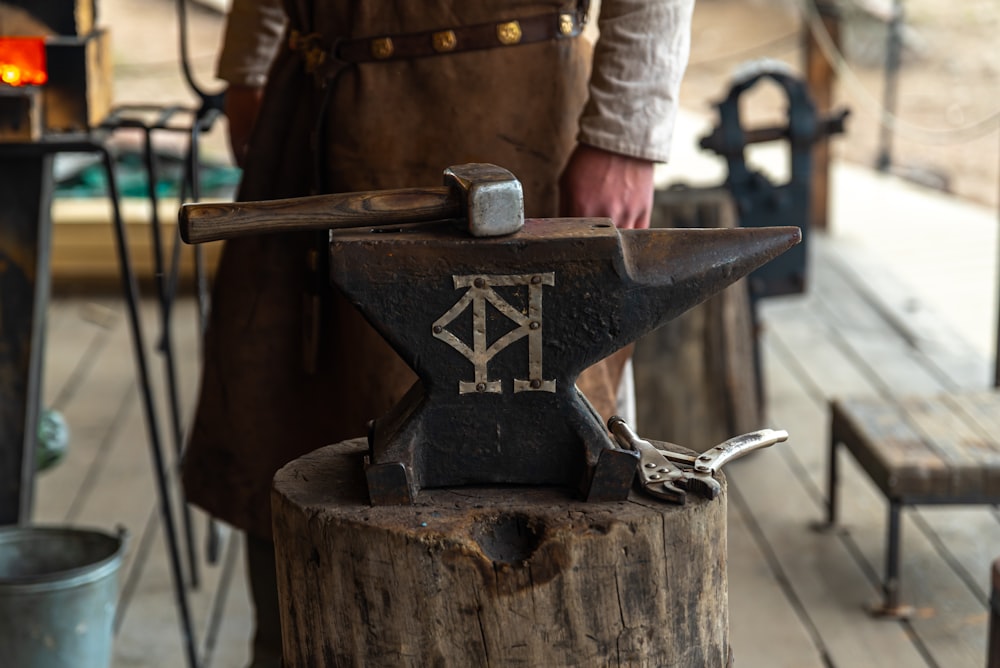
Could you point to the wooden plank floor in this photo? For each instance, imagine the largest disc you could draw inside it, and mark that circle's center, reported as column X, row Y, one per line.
column 840, row 340
column 797, row 596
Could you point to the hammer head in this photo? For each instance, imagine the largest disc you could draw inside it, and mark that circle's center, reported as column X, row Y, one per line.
column 491, row 196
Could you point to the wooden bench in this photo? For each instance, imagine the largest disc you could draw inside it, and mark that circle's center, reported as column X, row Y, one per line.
column 942, row 449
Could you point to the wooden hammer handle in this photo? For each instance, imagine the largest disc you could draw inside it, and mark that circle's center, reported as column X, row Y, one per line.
column 211, row 222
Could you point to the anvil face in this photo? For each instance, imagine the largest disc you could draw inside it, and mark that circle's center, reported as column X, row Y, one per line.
column 498, row 330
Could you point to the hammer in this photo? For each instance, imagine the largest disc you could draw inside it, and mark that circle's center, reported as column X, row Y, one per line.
column 486, row 198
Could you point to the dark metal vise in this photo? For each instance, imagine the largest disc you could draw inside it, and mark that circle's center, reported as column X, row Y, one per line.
column 759, row 201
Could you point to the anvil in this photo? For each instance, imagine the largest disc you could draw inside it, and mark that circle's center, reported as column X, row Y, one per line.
column 498, row 329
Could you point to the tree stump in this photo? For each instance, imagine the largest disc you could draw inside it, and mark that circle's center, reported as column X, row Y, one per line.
column 696, row 377
column 492, row 576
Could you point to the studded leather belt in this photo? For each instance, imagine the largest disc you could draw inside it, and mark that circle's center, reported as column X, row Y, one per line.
column 323, row 57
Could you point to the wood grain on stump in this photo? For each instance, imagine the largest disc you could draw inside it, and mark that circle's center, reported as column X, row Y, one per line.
column 492, row 576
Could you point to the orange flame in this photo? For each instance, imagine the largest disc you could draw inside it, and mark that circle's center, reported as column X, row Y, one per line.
column 22, row 61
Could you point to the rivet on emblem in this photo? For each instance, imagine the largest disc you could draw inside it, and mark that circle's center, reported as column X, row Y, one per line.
column 444, row 41
column 382, row 48
column 509, row 33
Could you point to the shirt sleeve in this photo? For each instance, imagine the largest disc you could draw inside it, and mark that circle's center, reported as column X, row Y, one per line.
column 639, row 59
column 253, row 34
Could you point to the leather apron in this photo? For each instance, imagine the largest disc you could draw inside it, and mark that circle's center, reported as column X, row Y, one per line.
column 386, row 125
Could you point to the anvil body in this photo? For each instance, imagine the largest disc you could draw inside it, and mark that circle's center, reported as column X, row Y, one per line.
column 498, row 330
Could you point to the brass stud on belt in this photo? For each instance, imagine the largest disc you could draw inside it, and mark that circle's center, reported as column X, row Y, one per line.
column 315, row 57
column 566, row 24
column 509, row 33
column 444, row 41
column 382, row 48
column 310, row 47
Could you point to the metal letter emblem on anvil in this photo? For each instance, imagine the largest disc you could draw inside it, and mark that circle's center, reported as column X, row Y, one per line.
column 498, row 328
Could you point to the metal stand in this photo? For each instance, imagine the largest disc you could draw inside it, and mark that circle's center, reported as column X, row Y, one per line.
column 25, row 231
column 26, row 190
column 166, row 290
column 130, row 290
column 150, row 119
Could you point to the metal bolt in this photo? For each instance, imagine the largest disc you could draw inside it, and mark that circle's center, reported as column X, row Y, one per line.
column 438, row 329
column 480, row 387
column 650, row 465
column 534, row 324
column 705, row 458
column 655, row 476
column 479, row 283
column 535, row 383
column 536, row 279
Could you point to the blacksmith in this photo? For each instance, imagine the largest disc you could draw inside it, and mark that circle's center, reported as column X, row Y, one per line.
column 353, row 95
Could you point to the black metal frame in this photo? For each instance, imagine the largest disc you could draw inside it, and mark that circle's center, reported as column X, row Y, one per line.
column 130, row 289
column 166, row 290
column 890, row 607
column 131, row 117
column 200, row 120
column 24, row 288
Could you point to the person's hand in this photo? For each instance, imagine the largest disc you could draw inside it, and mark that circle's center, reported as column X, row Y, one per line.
column 598, row 183
column 241, row 106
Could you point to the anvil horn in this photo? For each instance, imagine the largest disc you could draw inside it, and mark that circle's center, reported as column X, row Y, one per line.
column 713, row 258
column 668, row 271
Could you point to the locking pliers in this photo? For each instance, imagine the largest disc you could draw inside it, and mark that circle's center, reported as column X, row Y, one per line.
column 669, row 475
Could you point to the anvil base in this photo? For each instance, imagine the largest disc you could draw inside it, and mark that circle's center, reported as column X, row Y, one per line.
column 552, row 419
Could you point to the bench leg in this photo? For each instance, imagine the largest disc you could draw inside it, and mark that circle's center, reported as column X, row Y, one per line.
column 832, row 482
column 831, row 497
column 993, row 653
column 890, row 607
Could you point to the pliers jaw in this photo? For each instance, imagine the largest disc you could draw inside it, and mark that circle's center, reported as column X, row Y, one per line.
column 658, row 476
column 666, row 491
column 702, row 485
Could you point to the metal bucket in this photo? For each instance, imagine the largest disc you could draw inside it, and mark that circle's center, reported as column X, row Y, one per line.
column 58, row 594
